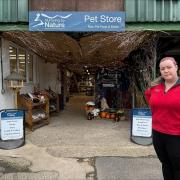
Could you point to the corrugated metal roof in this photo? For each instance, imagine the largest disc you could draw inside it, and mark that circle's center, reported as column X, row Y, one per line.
column 152, row 10
column 13, row 10
column 154, row 26
column 136, row 10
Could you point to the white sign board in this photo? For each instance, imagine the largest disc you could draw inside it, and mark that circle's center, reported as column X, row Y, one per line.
column 142, row 123
column 11, row 125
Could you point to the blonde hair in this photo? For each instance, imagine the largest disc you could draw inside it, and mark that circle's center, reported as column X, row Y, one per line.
column 169, row 58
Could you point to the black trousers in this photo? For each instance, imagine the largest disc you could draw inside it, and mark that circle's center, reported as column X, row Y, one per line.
column 167, row 148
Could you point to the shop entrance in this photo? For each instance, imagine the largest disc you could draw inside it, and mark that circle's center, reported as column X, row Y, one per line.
column 89, row 67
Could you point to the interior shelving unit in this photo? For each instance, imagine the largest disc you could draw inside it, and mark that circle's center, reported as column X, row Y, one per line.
column 37, row 113
column 53, row 101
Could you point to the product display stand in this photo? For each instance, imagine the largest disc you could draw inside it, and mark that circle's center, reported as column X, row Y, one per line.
column 53, row 101
column 37, row 113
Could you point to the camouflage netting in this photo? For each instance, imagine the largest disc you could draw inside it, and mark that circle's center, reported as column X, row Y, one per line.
column 53, row 47
column 136, row 51
column 110, row 49
column 95, row 50
column 142, row 67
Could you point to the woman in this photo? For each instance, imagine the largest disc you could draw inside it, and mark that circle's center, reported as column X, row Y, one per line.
column 164, row 101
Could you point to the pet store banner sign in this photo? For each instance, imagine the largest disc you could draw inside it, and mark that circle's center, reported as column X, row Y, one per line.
column 11, row 125
column 142, row 123
column 76, row 21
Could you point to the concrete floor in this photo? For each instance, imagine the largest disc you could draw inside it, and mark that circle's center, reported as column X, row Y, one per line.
column 66, row 149
column 70, row 135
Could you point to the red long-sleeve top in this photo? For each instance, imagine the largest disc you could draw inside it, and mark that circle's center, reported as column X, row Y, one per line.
column 165, row 107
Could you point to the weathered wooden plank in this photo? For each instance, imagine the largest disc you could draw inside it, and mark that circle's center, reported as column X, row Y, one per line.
column 77, row 5
column 53, row 5
column 100, row 5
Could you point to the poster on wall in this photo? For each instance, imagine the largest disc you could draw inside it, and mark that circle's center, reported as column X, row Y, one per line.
column 141, row 128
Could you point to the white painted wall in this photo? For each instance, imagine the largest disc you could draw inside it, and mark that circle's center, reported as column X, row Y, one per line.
column 6, row 99
column 49, row 76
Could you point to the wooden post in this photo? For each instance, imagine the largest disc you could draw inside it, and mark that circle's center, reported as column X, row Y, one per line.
column 154, row 55
column 15, row 92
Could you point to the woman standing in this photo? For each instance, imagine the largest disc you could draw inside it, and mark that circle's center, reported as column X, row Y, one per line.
column 164, row 101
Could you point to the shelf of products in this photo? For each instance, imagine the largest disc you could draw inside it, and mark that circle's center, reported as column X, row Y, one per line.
column 37, row 110
column 53, row 100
